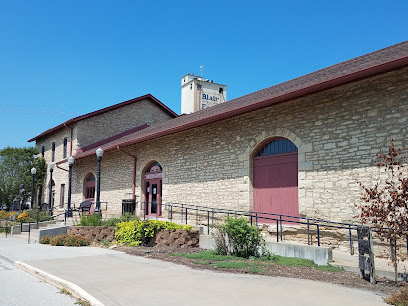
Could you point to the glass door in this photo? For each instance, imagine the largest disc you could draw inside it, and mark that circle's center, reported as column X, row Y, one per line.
column 153, row 197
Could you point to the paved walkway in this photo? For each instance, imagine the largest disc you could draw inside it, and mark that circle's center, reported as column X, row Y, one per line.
column 115, row 278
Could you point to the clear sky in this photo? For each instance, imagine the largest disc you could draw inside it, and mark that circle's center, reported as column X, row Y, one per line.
column 60, row 59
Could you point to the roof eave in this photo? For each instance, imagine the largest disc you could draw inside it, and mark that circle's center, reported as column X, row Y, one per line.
column 335, row 82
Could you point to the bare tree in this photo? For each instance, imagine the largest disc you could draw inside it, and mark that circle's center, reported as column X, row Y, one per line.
column 385, row 206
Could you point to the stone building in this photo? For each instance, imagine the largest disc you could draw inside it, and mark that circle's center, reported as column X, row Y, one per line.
column 297, row 148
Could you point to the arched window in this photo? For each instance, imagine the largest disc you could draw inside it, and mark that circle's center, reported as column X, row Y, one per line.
column 277, row 146
column 53, row 152
column 65, row 147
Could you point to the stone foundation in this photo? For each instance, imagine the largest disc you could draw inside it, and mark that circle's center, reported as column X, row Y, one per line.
column 93, row 233
column 178, row 238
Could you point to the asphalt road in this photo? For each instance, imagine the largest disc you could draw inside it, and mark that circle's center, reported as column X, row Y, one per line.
column 19, row 288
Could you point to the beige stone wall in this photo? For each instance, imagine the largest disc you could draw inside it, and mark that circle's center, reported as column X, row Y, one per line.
column 119, row 120
column 86, row 132
column 59, row 176
column 116, row 179
column 338, row 132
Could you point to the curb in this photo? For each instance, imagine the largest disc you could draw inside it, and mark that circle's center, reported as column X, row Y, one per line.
column 60, row 283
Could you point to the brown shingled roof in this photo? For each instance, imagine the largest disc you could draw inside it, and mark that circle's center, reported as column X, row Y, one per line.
column 107, row 109
column 365, row 66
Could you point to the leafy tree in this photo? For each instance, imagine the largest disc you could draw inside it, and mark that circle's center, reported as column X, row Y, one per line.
column 385, row 206
column 15, row 169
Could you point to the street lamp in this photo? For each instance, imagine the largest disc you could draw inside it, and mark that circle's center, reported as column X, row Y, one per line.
column 33, row 172
column 70, row 163
column 99, row 154
column 51, row 167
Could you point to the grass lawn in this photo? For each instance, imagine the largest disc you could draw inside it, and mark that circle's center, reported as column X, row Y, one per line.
column 252, row 264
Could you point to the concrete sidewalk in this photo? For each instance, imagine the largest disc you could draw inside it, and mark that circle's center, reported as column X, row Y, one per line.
column 115, row 278
column 383, row 267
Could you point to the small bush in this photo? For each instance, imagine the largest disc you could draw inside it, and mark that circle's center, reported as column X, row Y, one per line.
column 91, row 220
column 238, row 238
column 398, row 299
column 45, row 240
column 11, row 215
column 42, row 216
column 125, row 218
column 65, row 240
column 134, row 233
column 96, row 220
column 24, row 216
column 3, row 215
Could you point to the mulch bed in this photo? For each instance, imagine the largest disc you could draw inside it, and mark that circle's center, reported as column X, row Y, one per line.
column 348, row 279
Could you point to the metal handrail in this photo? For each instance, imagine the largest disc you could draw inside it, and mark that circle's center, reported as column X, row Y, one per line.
column 51, row 217
column 5, row 227
column 278, row 218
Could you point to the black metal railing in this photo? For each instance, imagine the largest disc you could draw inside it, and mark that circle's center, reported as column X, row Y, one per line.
column 196, row 214
column 51, row 217
column 5, row 227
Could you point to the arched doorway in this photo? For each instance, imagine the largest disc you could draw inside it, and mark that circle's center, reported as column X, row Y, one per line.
column 89, row 187
column 153, row 190
column 275, row 178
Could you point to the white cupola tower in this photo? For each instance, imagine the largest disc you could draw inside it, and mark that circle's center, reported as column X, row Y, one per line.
column 198, row 93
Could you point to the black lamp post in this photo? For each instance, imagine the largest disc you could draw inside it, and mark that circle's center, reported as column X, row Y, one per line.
column 33, row 172
column 51, row 166
column 70, row 163
column 99, row 154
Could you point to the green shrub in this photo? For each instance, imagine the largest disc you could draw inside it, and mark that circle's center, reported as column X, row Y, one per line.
column 236, row 237
column 134, row 233
column 96, row 220
column 125, row 218
column 3, row 215
column 42, row 216
column 91, row 220
column 65, row 240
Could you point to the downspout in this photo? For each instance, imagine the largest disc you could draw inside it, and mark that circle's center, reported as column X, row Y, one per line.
column 70, row 137
column 134, row 170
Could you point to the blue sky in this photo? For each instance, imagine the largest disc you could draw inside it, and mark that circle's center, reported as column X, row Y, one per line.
column 61, row 59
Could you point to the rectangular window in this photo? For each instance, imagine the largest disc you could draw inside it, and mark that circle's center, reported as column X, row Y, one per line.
column 53, row 152
column 62, row 195
column 42, row 151
column 65, row 147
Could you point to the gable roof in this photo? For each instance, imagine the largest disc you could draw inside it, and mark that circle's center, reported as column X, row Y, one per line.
column 371, row 64
column 107, row 109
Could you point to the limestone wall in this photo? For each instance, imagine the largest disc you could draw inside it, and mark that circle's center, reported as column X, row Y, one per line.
column 337, row 132
column 119, row 120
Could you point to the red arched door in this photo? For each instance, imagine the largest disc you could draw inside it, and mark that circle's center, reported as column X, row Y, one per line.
column 153, row 190
column 275, row 179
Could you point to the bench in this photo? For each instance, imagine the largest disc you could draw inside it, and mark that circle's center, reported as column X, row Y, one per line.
column 84, row 207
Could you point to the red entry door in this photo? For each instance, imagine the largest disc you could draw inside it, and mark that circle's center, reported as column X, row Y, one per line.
column 153, row 197
column 276, row 185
